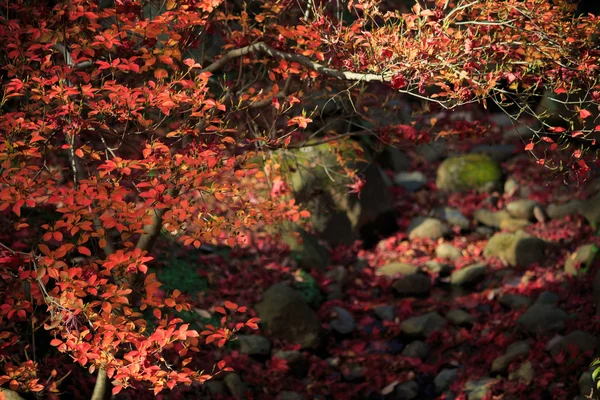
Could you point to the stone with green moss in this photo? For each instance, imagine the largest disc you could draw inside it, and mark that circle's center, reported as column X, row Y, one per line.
column 581, row 259
column 469, row 172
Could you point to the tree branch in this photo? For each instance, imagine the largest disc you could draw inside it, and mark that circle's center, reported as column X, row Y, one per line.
column 261, row 47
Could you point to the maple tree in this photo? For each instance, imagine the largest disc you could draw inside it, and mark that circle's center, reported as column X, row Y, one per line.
column 127, row 120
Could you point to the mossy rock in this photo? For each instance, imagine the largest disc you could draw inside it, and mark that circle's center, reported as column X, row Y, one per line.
column 581, row 260
column 469, row 172
column 308, row 288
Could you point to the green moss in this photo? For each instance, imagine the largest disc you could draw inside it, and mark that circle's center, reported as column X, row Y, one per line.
column 308, row 287
column 471, row 171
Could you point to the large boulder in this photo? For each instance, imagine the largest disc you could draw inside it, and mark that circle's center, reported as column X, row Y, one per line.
column 515, row 249
column 542, row 318
column 306, row 249
column 286, row 315
column 469, row 172
column 320, row 183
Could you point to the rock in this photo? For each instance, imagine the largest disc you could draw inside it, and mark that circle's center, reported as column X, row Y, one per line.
column 478, row 389
column 447, row 251
column 297, row 362
column 394, row 159
column 469, row 276
column 234, row 384
column 393, row 270
column 513, row 352
column 547, row 298
column 558, row 211
column 427, row 228
column 513, row 224
column 541, row 319
column 412, row 285
column 452, row 217
column 587, row 386
column 522, row 208
column 10, row 395
column 432, row 152
column 583, row 341
column 516, row 249
column 286, row 315
column 514, row 301
column 511, row 187
column 581, row 260
column 423, row 325
column 590, row 209
column 254, row 345
column 385, row 313
column 490, row 218
column 416, row 349
column 525, row 373
column 411, row 181
column 596, row 291
column 215, row 388
column 498, row 152
column 444, row 379
column 406, row 391
column 459, row 317
column 469, row 172
column 306, row 249
column 344, row 322
column 439, row 268
column 287, row 395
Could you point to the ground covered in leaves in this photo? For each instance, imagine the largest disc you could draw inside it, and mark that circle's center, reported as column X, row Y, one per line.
column 470, row 344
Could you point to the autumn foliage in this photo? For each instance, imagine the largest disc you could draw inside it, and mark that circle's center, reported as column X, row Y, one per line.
column 125, row 123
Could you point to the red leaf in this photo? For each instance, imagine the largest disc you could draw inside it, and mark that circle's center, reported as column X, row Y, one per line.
column 529, row 146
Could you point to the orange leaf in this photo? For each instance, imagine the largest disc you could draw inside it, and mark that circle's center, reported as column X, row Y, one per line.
column 84, row 250
column 160, row 73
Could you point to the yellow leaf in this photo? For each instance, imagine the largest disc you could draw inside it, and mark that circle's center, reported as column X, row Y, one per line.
column 171, row 4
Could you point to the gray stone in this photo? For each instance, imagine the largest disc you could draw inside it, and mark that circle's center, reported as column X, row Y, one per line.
column 411, row 181
column 525, row 373
column 406, row 391
column 287, row 395
column 522, row 208
column 447, row 251
column 547, row 298
column 444, row 379
column 412, row 285
column 306, row 249
column 558, row 211
column 286, row 315
column 513, row 352
column 478, row 389
column 513, row 224
column 416, row 349
column 583, row 341
column 515, row 249
column 254, row 345
column 423, row 325
column 452, row 217
column 235, row 385
column 469, row 276
column 385, row 312
column 427, row 228
column 395, row 269
column 587, row 386
column 590, row 209
column 433, row 151
column 511, row 187
column 490, row 218
column 344, row 322
column 542, row 318
column 215, row 388
column 498, row 152
column 439, row 268
column 469, row 172
column 459, row 317
column 514, row 301
column 581, row 260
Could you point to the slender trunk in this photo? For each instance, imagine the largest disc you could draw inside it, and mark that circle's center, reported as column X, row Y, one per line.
column 100, row 386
